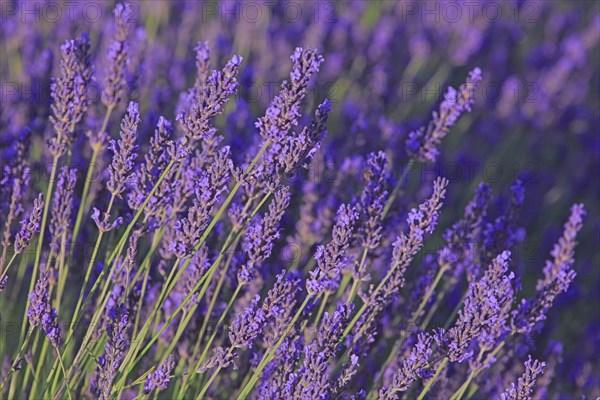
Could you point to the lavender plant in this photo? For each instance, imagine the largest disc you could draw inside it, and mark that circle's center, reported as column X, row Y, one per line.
column 351, row 203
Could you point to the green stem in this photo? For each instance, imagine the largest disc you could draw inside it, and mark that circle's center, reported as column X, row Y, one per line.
column 88, row 180
column 8, row 266
column 356, row 282
column 16, row 359
column 433, row 379
column 91, row 263
column 38, row 251
column 432, row 288
column 397, row 188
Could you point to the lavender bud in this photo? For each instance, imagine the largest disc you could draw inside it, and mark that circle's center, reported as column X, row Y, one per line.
column 282, row 115
column 124, row 151
column 69, row 92
column 259, row 239
column 413, row 367
column 526, row 383
column 558, row 275
column 31, row 226
column 62, row 206
column 159, row 378
column 115, row 84
column 331, row 258
column 422, row 143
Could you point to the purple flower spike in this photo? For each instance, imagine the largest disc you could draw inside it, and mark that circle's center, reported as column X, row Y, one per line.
column 422, row 143
column 526, row 383
column 31, row 226
column 159, row 378
column 124, row 151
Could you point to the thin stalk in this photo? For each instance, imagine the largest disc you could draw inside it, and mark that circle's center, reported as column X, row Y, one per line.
column 62, row 366
column 461, row 390
column 356, row 282
column 433, row 379
column 38, row 251
column 212, row 378
column 207, row 231
column 16, row 359
column 319, row 313
column 205, row 279
column 91, row 263
column 397, row 188
column 88, row 180
column 145, row 267
column 209, row 343
column 62, row 274
column 432, row 288
column 8, row 266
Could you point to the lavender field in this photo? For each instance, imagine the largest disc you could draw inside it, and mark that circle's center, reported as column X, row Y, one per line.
column 300, row 199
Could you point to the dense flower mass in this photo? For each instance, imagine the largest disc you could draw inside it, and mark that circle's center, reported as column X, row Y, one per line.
column 300, row 200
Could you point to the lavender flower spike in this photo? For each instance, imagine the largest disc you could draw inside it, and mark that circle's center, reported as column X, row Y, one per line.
column 40, row 312
column 117, row 57
column 159, row 378
column 422, row 143
column 69, row 92
column 124, row 153
column 526, row 383
column 258, row 243
column 210, row 101
column 330, row 259
column 30, row 226
column 115, row 347
column 282, row 115
column 558, row 275
column 62, row 206
column 413, row 367
column 483, row 307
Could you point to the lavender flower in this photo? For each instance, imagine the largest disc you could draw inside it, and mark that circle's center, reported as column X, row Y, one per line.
column 422, row 143
column 558, row 275
column 209, row 102
column 283, row 113
column 297, row 149
column 313, row 383
column 211, row 184
column 484, row 309
column 38, row 300
column 373, row 199
column 62, row 205
column 202, row 66
column 40, row 312
column 19, row 174
column 463, row 237
column 279, row 305
column 124, row 151
column 31, row 226
column 116, row 345
column 115, row 85
column 104, row 224
column 159, row 378
column 69, row 92
column 155, row 162
column 526, row 383
column 330, row 259
column 247, row 326
column 259, row 239
column 413, row 367
column 421, row 221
